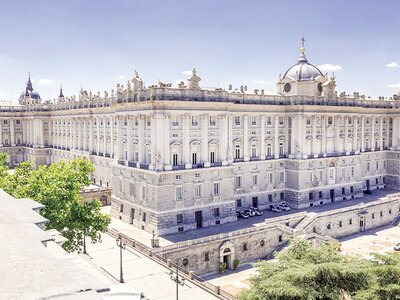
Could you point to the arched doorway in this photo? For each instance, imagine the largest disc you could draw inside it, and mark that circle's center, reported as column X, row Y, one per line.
column 103, row 200
column 227, row 254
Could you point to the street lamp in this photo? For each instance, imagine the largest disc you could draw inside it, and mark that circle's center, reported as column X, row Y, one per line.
column 121, row 246
column 178, row 281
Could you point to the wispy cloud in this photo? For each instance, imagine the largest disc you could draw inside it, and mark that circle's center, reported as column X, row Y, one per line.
column 392, row 65
column 44, row 81
column 395, row 85
column 262, row 81
column 329, row 67
column 178, row 81
column 121, row 77
column 189, row 72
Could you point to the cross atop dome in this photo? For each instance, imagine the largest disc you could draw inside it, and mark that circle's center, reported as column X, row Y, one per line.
column 302, row 56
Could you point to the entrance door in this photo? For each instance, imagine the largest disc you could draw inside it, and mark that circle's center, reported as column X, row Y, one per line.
column 332, row 193
column 367, row 184
column 199, row 219
column 362, row 223
column 255, row 201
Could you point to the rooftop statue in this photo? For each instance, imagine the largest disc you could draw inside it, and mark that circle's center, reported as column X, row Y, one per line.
column 193, row 81
column 137, row 82
column 328, row 88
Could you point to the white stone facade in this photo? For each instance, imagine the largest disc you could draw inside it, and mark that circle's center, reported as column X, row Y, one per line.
column 182, row 158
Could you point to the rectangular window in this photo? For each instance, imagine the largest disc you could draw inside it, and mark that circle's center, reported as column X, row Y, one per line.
column 198, row 190
column 320, row 194
column 237, row 121
column 282, row 177
column 352, row 171
column 255, row 179
column 144, row 217
column 132, row 189
column 310, row 196
column 237, row 152
column 310, row 179
column 269, row 121
column 212, row 157
column 216, row 188
column 351, row 189
column 280, row 120
column 270, row 177
column 121, row 209
column 253, row 151
column 194, row 158
column 175, row 121
column 330, row 121
column 175, row 159
column 343, row 173
column 343, row 191
column 269, row 198
column 212, row 121
column 216, row 212
column 367, row 166
column 179, row 218
column 238, row 181
column 269, row 150
column 194, row 121
column 178, row 193
column 253, row 120
column 238, row 202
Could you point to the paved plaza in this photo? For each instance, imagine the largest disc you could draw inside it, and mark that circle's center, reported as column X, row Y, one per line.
column 141, row 273
column 380, row 240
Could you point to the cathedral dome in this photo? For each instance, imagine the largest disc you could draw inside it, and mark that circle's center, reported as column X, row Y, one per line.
column 303, row 71
column 31, row 94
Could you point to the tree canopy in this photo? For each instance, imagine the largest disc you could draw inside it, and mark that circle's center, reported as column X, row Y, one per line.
column 305, row 272
column 57, row 187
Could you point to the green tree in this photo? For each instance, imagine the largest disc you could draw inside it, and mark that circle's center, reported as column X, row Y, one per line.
column 57, row 187
column 322, row 273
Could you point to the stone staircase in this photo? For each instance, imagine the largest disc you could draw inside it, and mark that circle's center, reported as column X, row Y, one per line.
column 306, row 221
column 396, row 221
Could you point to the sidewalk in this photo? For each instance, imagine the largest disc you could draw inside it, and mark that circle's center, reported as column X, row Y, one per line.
column 140, row 235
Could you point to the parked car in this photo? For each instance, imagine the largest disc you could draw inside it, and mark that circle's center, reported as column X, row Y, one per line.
column 397, row 247
column 276, row 209
column 287, row 207
column 241, row 214
column 250, row 212
column 284, row 208
column 257, row 211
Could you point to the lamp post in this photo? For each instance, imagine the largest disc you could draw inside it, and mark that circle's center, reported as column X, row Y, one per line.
column 121, row 246
column 178, row 281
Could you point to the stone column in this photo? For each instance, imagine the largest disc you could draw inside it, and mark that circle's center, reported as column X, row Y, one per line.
column 262, row 138
column 204, row 140
column 98, row 135
column 223, row 139
column 166, row 143
column 373, row 134
column 41, row 134
column 230, row 140
column 314, row 136
column 286, row 120
column 129, row 139
column 1, row 132
column 246, row 138
column 293, row 132
column 276, row 138
column 346, row 135
column 91, row 135
column 323, row 143
column 388, row 133
column 380, row 133
column 12, row 132
column 141, row 148
column 120, row 148
column 112, row 144
column 362, row 133
column 185, row 141
column 153, row 145
column 355, row 135
column 105, row 135
column 337, row 134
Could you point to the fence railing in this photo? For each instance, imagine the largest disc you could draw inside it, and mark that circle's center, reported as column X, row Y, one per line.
column 189, row 275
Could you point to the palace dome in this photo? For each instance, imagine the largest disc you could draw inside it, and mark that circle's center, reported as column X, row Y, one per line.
column 29, row 91
column 303, row 71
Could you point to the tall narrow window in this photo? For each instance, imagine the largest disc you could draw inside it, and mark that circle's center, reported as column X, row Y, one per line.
column 237, row 152
column 212, row 157
column 254, row 151
column 178, row 193
column 194, row 158
column 216, row 188
column 175, row 159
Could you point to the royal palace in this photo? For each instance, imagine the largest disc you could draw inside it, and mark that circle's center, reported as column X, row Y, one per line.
column 183, row 158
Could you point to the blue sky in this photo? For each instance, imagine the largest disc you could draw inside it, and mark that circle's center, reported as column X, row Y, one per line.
column 97, row 44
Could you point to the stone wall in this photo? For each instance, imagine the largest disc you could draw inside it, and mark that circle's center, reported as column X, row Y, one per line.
column 204, row 255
